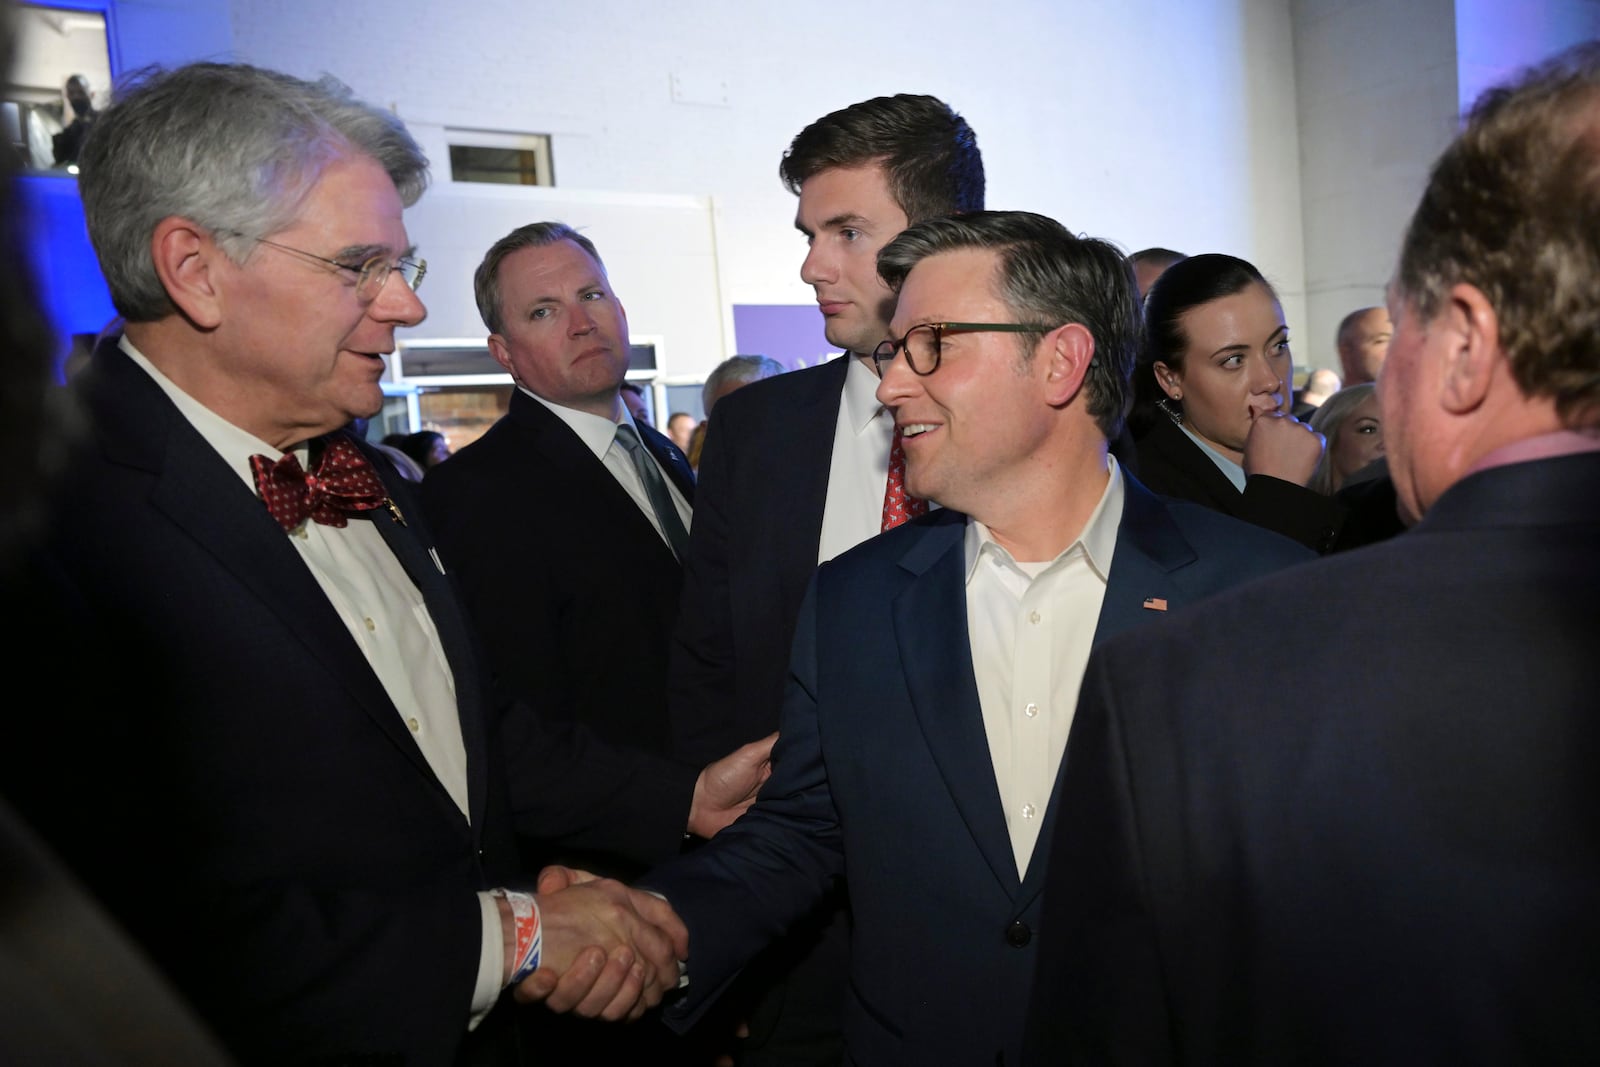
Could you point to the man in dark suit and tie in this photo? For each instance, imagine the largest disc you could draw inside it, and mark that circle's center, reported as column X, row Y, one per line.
column 282, row 771
column 796, row 471
column 1398, row 866
column 935, row 668
column 564, row 525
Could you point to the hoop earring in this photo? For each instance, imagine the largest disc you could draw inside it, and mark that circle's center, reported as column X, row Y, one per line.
column 1172, row 412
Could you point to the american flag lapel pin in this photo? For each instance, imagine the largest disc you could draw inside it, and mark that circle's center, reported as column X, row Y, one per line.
column 1155, row 603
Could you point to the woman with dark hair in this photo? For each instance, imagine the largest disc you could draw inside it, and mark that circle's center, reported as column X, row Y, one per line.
column 1212, row 393
column 427, row 447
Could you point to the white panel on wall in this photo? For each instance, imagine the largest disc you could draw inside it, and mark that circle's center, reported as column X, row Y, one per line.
column 658, row 251
column 1375, row 81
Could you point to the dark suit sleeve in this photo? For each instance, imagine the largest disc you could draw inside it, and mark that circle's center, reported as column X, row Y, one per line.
column 747, row 885
column 568, row 786
column 701, row 694
column 1097, row 996
column 1174, row 466
column 1295, row 511
column 203, row 845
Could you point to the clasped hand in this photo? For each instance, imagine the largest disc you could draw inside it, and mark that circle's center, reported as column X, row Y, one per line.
column 609, row 952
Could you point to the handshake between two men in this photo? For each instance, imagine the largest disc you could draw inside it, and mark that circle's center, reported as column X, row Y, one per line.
column 611, row 951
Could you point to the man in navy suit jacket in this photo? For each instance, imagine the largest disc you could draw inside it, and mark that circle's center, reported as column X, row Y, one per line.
column 935, row 667
column 1399, row 865
column 282, row 770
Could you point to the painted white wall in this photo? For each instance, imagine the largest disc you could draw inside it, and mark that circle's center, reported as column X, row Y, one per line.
column 1381, row 84
column 1147, row 122
column 1377, row 92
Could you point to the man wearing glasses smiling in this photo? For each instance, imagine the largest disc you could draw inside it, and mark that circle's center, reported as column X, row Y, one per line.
column 936, row 667
column 306, row 812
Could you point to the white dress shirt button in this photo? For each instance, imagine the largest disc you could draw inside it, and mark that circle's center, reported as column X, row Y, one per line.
column 415, row 726
column 371, row 626
column 1028, row 811
column 1034, row 617
column 1031, row 711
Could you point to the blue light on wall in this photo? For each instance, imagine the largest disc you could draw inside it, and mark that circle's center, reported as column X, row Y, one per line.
column 63, row 262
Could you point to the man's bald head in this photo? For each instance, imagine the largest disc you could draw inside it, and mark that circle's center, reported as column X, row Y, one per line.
column 1363, row 343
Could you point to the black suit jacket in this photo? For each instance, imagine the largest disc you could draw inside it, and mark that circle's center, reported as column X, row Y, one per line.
column 763, row 486
column 882, row 771
column 1172, row 465
column 1397, row 866
column 573, row 590
column 230, row 776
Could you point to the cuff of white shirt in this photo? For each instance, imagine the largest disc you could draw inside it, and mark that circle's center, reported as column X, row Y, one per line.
column 491, row 961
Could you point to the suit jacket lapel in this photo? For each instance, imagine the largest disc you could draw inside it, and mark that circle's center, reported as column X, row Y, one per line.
column 808, row 431
column 1184, row 456
column 930, row 622
column 546, row 439
column 197, row 490
column 1150, row 547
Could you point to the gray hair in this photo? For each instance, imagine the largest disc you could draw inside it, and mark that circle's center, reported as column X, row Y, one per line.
column 486, row 279
column 1512, row 208
column 234, row 149
column 740, row 370
column 1046, row 275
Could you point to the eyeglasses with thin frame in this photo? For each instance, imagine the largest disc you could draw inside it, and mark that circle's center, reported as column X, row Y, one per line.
column 370, row 275
column 924, row 344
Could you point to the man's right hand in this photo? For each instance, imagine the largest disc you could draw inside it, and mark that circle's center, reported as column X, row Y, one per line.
column 609, row 952
column 1281, row 446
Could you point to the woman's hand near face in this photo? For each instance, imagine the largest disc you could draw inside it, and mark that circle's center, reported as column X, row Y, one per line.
column 1283, row 447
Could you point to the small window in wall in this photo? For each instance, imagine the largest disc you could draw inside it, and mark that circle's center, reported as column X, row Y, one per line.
column 500, row 158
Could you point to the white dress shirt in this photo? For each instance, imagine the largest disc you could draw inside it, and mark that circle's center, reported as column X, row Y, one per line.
column 860, row 464
column 599, row 435
column 1031, row 627
column 388, row 618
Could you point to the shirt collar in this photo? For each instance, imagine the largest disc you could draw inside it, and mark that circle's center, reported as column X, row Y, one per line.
column 1541, row 446
column 1228, row 467
column 595, row 432
column 1098, row 539
column 234, row 445
column 861, row 394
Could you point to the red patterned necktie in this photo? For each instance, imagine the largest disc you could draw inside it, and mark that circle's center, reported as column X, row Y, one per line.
column 898, row 505
column 341, row 480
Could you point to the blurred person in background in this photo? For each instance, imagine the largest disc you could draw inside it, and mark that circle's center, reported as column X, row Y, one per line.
column 1353, row 427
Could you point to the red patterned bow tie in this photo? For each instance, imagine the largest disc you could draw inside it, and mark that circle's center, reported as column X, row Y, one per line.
column 341, row 480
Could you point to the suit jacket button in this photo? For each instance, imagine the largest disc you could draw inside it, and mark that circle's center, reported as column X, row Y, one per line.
column 1018, row 934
